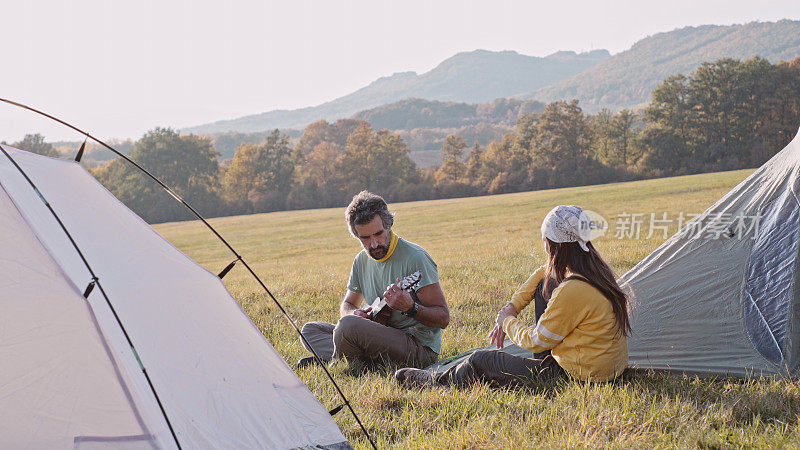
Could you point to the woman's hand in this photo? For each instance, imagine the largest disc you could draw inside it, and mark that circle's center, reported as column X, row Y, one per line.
column 497, row 335
column 506, row 311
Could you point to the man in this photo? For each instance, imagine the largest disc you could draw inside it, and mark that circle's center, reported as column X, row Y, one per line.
column 413, row 334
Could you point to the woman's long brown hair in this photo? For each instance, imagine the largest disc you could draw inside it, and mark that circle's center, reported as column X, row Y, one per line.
column 589, row 265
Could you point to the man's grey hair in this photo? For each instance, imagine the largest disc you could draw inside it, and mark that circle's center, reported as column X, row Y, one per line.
column 364, row 207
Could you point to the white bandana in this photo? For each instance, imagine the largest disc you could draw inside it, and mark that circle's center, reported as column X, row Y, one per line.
column 567, row 223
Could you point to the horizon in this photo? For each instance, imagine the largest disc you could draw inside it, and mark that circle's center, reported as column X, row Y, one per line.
column 204, row 64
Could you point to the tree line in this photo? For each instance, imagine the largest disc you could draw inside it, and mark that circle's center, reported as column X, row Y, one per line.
column 727, row 115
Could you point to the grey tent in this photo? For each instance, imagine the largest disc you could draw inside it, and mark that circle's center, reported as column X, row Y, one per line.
column 69, row 378
column 722, row 296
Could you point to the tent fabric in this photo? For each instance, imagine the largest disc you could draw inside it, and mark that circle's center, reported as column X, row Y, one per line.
column 768, row 294
column 721, row 296
column 50, row 344
column 222, row 385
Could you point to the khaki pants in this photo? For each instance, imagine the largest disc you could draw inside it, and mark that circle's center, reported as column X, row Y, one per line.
column 355, row 337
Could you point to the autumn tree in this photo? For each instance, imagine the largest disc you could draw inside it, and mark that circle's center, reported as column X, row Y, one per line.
column 334, row 160
column 474, row 163
column 314, row 134
column 728, row 114
column 615, row 138
column 376, row 161
column 603, row 142
column 453, row 167
column 506, row 163
column 451, row 177
column 187, row 164
column 260, row 176
column 320, row 164
column 317, row 180
column 322, row 131
column 779, row 117
column 561, row 140
column 669, row 135
column 35, row 143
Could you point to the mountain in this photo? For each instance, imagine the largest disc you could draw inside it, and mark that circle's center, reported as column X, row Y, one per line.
column 472, row 77
column 596, row 78
column 626, row 79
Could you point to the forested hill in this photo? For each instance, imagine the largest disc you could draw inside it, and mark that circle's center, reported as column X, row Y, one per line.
column 473, row 77
column 627, row 79
column 419, row 113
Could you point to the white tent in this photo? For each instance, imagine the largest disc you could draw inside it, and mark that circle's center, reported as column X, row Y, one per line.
column 68, row 376
column 722, row 296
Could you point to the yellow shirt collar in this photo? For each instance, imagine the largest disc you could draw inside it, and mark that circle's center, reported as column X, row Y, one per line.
column 392, row 246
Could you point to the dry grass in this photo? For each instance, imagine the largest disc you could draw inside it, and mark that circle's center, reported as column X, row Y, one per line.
column 485, row 247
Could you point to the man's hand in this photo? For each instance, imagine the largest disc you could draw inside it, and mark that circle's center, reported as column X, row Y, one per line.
column 497, row 335
column 351, row 304
column 397, row 298
column 363, row 312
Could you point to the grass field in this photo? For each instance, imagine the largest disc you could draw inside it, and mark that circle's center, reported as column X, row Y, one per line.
column 485, row 247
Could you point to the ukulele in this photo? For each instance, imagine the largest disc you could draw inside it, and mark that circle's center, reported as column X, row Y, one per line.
column 381, row 311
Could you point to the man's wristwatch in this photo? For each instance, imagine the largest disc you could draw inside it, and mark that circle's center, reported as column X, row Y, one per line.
column 411, row 311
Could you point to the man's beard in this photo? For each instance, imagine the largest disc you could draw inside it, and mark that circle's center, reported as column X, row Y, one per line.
column 378, row 252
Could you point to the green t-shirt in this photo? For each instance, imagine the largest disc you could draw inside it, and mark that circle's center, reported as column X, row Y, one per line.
column 370, row 278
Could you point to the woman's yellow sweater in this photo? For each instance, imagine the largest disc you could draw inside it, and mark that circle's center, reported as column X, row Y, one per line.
column 578, row 325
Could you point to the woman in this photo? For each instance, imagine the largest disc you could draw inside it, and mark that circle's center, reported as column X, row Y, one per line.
column 584, row 324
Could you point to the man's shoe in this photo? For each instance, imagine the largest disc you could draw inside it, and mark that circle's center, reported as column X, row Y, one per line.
column 307, row 361
column 414, row 378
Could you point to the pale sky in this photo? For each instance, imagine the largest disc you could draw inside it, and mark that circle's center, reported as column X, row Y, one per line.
column 120, row 68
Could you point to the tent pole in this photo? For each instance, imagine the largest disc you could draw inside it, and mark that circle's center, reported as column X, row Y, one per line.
column 96, row 281
column 219, row 236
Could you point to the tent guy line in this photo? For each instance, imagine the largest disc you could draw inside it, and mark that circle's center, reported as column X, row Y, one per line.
column 345, row 401
column 95, row 281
